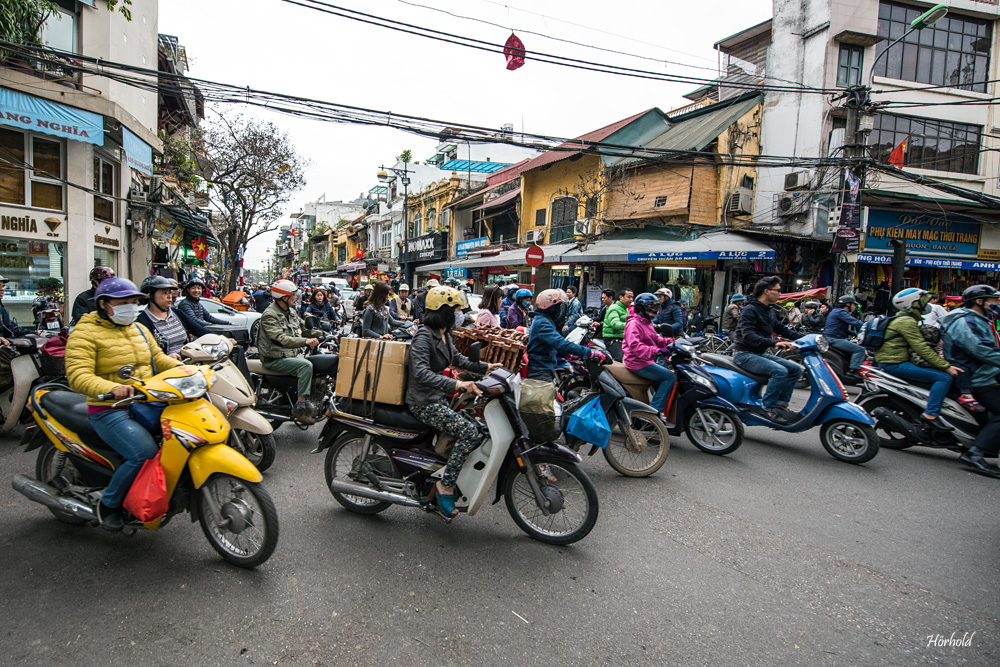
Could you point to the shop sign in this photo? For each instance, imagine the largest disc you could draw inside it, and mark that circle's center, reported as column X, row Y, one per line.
column 462, row 248
column 926, row 234
column 106, row 240
column 14, row 222
column 426, row 247
column 38, row 115
column 138, row 154
column 932, row 262
column 458, row 274
column 701, row 254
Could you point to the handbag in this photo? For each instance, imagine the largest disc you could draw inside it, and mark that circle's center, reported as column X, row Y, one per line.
column 590, row 424
column 147, row 499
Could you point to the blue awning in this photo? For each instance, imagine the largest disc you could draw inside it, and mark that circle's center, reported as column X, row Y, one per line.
column 138, row 153
column 934, row 262
column 33, row 113
column 477, row 166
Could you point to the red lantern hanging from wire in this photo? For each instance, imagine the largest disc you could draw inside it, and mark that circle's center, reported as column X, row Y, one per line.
column 513, row 51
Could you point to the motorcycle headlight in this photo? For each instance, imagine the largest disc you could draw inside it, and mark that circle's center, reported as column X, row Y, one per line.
column 162, row 395
column 822, row 344
column 191, row 386
column 218, row 351
column 705, row 382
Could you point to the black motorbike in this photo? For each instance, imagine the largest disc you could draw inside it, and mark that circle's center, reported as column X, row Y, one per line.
column 277, row 393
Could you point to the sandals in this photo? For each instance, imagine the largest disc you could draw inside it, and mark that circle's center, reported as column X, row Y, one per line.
column 445, row 501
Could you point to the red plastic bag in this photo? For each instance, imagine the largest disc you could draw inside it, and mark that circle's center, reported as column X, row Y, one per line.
column 147, row 499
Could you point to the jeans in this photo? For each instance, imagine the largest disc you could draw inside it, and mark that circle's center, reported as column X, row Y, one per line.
column 847, row 347
column 783, row 373
column 939, row 388
column 130, row 439
column 988, row 439
column 297, row 366
column 663, row 379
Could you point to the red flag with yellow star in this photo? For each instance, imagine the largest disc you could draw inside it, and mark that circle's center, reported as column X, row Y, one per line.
column 200, row 247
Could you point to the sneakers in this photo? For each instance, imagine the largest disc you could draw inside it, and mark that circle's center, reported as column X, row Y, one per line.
column 777, row 416
column 975, row 458
column 936, row 424
column 302, row 412
column 110, row 518
column 854, row 374
column 969, row 402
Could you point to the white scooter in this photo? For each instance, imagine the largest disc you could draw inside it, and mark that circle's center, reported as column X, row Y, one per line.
column 251, row 434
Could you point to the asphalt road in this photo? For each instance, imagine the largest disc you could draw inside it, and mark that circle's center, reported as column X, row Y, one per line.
column 777, row 554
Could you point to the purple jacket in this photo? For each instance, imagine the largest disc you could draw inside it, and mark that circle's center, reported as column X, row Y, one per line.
column 642, row 343
column 515, row 317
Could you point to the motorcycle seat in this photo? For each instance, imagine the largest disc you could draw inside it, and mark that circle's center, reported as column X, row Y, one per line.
column 625, row 376
column 385, row 414
column 723, row 361
column 69, row 408
column 325, row 364
column 256, row 366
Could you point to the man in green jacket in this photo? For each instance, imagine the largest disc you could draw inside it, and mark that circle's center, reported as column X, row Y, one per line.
column 903, row 335
column 614, row 324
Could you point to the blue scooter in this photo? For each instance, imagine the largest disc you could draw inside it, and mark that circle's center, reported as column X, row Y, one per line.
column 847, row 432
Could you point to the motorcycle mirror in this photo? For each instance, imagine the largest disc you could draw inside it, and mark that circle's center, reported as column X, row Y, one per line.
column 125, row 372
column 474, row 352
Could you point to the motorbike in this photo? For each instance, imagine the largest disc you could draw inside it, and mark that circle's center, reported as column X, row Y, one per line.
column 710, row 421
column 204, row 476
column 277, row 393
column 45, row 308
column 29, row 367
column 897, row 404
column 846, row 430
column 639, row 442
column 380, row 455
column 837, row 361
column 251, row 434
column 583, row 331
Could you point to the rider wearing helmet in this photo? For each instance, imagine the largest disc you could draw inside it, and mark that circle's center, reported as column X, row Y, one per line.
column 813, row 321
column 669, row 313
column 517, row 315
column 432, row 351
column 507, row 302
column 280, row 339
column 970, row 342
column 731, row 316
column 400, row 306
column 903, row 335
column 421, row 299
column 102, row 342
column 642, row 346
column 838, row 327
column 191, row 306
column 84, row 301
column 169, row 326
column 544, row 339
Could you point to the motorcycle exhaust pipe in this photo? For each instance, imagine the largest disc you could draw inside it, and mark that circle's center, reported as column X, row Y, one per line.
column 42, row 493
column 898, row 424
column 355, row 489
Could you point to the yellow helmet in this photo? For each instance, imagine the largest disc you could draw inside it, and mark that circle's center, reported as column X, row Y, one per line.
column 444, row 296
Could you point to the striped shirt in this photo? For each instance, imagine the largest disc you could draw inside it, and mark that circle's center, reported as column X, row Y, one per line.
column 170, row 333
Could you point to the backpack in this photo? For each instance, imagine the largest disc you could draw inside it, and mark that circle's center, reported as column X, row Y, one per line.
column 873, row 332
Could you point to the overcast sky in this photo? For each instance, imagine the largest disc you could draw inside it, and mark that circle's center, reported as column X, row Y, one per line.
column 280, row 47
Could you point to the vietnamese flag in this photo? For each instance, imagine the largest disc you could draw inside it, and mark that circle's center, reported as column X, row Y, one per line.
column 513, row 51
column 200, row 247
column 897, row 154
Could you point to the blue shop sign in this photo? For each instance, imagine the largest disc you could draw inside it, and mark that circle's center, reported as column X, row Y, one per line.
column 38, row 115
column 697, row 255
column 926, row 234
column 867, row 258
column 462, row 248
column 457, row 274
column 138, row 154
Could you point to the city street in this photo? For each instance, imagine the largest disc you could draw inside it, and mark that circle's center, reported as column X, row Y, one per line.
column 777, row 554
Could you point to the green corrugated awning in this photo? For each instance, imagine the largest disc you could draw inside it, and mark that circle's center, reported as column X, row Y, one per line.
column 194, row 224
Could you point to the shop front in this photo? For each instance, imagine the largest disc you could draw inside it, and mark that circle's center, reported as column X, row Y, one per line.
column 423, row 251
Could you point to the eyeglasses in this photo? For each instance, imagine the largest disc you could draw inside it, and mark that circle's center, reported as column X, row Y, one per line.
column 773, row 289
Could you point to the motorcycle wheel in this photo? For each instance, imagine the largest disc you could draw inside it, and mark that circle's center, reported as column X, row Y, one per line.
column 723, row 434
column 653, row 444
column 892, row 439
column 246, row 533
column 573, row 489
column 254, row 328
column 51, row 464
column 344, row 457
column 849, row 441
column 259, row 448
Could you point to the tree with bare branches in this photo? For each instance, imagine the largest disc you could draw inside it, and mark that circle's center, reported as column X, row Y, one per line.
column 255, row 171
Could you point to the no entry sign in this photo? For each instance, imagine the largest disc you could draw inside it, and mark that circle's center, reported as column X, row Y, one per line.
column 534, row 256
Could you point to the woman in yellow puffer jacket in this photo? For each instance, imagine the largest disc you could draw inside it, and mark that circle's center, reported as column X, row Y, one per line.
column 102, row 342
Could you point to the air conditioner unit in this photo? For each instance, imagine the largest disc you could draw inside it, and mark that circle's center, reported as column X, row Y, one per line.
column 792, row 204
column 583, row 227
column 741, row 202
column 798, row 180
column 534, row 236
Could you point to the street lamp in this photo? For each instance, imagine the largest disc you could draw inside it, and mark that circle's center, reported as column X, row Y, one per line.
column 405, row 180
column 928, row 18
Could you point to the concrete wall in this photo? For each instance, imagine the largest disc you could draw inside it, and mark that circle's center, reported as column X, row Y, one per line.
column 539, row 187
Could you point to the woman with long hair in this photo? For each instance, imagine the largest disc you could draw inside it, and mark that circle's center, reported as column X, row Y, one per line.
column 377, row 320
column 489, row 308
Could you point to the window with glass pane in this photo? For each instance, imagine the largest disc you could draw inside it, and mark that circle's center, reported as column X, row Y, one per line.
column 46, row 158
column 11, row 176
column 953, row 52
column 564, row 218
column 930, row 144
column 849, row 67
column 105, row 183
column 59, row 29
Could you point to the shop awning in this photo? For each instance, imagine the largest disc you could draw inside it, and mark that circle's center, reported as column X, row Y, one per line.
column 33, row 113
column 707, row 246
column 138, row 154
column 819, row 292
column 515, row 257
column 194, row 224
column 933, row 262
column 500, row 201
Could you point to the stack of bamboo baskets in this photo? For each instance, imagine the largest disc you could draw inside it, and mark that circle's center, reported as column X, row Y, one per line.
column 497, row 346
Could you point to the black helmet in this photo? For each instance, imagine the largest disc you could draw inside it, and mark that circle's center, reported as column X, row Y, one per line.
column 978, row 292
column 646, row 304
column 847, row 298
column 153, row 283
column 191, row 283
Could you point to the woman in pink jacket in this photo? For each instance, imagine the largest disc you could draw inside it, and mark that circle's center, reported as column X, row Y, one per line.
column 642, row 345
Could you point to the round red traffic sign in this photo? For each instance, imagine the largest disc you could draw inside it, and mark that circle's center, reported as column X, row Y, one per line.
column 534, row 256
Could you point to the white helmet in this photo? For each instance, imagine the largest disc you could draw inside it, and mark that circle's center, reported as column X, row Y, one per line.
column 905, row 299
column 404, row 288
column 665, row 291
column 282, row 288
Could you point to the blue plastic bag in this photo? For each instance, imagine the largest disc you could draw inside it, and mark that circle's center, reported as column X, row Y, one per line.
column 590, row 424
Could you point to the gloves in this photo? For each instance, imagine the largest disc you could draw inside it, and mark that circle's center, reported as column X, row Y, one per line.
column 597, row 356
column 664, row 350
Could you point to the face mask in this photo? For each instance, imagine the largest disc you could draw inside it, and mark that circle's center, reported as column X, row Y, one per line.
column 994, row 309
column 558, row 313
column 125, row 314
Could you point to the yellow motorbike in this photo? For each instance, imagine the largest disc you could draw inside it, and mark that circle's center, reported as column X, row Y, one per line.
column 204, row 476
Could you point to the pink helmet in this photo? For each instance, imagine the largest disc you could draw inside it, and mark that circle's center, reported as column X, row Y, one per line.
column 550, row 297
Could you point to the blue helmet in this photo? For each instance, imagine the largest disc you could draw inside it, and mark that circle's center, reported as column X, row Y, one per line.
column 737, row 297
column 511, row 289
column 522, row 293
column 646, row 304
column 116, row 288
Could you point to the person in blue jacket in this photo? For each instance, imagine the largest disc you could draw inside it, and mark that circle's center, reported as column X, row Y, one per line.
column 545, row 342
column 574, row 309
column 507, row 302
column 669, row 315
column 190, row 305
column 838, row 327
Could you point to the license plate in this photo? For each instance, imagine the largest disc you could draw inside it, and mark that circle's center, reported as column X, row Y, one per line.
column 52, row 325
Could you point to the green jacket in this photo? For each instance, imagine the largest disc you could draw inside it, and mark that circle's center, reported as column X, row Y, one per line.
column 903, row 335
column 614, row 320
column 281, row 334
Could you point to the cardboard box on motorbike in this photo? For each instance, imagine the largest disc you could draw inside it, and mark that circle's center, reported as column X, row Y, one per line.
column 375, row 368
